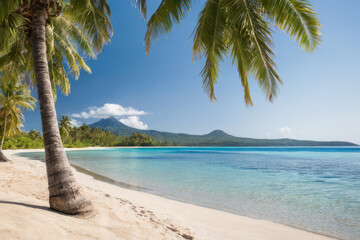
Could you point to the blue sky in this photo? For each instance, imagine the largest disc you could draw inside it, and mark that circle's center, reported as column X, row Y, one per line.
column 319, row 99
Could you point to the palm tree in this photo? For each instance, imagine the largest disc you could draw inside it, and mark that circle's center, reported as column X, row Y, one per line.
column 241, row 29
column 65, row 127
column 88, row 28
column 14, row 98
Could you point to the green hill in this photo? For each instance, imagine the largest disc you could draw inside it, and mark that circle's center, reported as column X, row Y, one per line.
column 215, row 138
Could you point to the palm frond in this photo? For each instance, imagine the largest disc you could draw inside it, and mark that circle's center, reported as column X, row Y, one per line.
column 210, row 40
column 162, row 20
column 73, row 59
column 7, row 28
column 78, row 38
column 58, row 75
column 263, row 66
column 141, row 5
column 297, row 18
column 93, row 17
column 243, row 29
column 7, row 7
column 2, row 99
column 242, row 57
column 15, row 98
column 14, row 62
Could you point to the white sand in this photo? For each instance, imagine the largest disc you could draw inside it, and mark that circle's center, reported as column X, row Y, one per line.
column 120, row 213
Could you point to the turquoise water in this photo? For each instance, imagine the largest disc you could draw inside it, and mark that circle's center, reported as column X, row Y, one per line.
column 316, row 189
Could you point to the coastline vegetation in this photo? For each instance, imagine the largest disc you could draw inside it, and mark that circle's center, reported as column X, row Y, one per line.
column 81, row 137
column 85, row 136
column 25, row 140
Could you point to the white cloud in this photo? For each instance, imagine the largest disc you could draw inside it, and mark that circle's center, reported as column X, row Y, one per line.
column 108, row 110
column 134, row 121
column 75, row 123
column 285, row 131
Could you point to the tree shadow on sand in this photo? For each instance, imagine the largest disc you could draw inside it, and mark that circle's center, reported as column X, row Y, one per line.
column 44, row 208
column 30, row 206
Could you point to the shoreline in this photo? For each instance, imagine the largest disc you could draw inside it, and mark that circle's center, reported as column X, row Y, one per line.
column 188, row 221
column 105, row 179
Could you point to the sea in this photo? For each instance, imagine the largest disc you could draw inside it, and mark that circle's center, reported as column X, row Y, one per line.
column 316, row 189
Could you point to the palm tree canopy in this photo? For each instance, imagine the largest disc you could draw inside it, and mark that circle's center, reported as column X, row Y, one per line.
column 73, row 26
column 241, row 29
column 14, row 98
column 51, row 32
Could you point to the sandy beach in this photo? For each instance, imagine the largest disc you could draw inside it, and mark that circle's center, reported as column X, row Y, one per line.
column 120, row 213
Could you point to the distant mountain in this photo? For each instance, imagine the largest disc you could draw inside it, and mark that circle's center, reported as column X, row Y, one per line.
column 113, row 125
column 215, row 138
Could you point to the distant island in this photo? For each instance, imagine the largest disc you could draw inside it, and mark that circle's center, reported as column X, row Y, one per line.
column 110, row 132
column 215, row 138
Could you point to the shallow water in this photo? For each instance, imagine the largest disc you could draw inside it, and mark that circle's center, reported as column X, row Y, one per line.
column 316, row 189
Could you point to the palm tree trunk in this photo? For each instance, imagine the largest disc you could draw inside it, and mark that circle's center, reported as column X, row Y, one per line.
column 3, row 136
column 3, row 158
column 65, row 195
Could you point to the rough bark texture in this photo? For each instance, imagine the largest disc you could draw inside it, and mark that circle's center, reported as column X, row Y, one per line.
column 65, row 194
column 3, row 158
column 4, row 133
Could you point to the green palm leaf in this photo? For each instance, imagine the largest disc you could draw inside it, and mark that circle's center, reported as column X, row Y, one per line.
column 243, row 30
column 93, row 17
column 210, row 39
column 64, row 42
column 298, row 19
column 162, row 20
column 14, row 99
column 141, row 4
column 7, row 7
column 263, row 66
column 242, row 57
